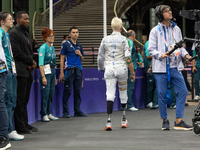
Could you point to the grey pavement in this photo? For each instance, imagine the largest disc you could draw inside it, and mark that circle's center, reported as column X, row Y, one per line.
column 143, row 133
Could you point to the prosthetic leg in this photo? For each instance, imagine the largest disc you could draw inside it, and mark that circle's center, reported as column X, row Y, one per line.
column 109, row 112
column 123, row 97
column 124, row 121
column 196, row 120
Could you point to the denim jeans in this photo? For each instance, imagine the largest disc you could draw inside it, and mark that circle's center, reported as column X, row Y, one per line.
column 180, row 89
column 3, row 110
column 10, row 98
column 73, row 77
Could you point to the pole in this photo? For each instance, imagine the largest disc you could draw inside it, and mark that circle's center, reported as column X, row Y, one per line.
column 104, row 19
column 51, row 14
column 11, row 7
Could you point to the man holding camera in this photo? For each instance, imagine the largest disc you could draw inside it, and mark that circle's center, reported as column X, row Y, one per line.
column 167, row 68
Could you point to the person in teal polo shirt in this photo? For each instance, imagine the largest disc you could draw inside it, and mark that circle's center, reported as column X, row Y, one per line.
column 6, row 22
column 47, row 63
column 139, row 60
column 131, row 85
column 152, row 98
column 196, row 71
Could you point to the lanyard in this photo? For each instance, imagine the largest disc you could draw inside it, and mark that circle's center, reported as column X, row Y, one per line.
column 166, row 49
column 71, row 45
column 164, row 38
column 52, row 54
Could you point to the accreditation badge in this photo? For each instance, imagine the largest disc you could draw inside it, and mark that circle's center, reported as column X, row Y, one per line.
column 176, row 52
column 47, row 69
column 2, row 67
column 13, row 68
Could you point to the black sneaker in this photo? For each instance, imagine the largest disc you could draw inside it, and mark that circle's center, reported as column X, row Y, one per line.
column 33, row 129
column 165, row 125
column 65, row 116
column 182, row 126
column 80, row 114
column 24, row 131
column 4, row 143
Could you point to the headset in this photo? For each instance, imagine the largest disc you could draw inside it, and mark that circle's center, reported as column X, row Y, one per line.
column 159, row 14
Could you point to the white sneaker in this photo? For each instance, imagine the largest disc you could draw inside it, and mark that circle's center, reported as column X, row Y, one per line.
column 45, row 118
column 51, row 117
column 150, row 105
column 108, row 126
column 173, row 107
column 124, row 123
column 196, row 97
column 15, row 136
column 133, row 109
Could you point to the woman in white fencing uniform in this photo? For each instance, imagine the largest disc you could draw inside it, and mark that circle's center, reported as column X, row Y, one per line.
column 114, row 53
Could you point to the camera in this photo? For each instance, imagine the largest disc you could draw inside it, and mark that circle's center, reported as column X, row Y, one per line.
column 194, row 15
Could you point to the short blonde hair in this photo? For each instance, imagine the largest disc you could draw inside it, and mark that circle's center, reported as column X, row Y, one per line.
column 116, row 23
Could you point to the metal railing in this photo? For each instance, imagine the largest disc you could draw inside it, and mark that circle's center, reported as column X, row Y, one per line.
column 42, row 19
column 92, row 52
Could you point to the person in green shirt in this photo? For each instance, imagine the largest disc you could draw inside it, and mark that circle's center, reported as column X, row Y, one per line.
column 139, row 60
column 6, row 22
column 131, row 85
column 152, row 98
column 47, row 63
column 196, row 71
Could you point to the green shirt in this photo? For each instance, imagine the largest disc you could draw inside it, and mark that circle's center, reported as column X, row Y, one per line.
column 197, row 59
column 47, row 55
column 5, row 39
column 133, row 53
column 147, row 62
column 140, row 59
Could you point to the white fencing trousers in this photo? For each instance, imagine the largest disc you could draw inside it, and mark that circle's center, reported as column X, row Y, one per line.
column 116, row 71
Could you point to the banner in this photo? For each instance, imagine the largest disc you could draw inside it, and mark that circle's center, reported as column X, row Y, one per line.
column 93, row 94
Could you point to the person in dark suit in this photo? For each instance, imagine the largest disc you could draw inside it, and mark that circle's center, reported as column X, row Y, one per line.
column 25, row 64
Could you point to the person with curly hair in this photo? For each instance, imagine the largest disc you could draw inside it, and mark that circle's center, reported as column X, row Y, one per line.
column 47, row 63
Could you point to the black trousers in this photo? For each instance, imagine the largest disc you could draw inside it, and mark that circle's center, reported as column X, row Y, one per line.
column 184, row 72
column 23, row 93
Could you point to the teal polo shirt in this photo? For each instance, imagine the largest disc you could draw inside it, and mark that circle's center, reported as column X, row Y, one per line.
column 147, row 62
column 47, row 55
column 197, row 59
column 133, row 53
column 140, row 59
column 5, row 39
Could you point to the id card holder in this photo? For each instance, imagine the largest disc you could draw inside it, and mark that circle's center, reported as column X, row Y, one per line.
column 13, row 68
column 176, row 52
column 47, row 69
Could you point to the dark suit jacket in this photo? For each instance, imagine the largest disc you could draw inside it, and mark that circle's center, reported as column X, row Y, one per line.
column 22, row 51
